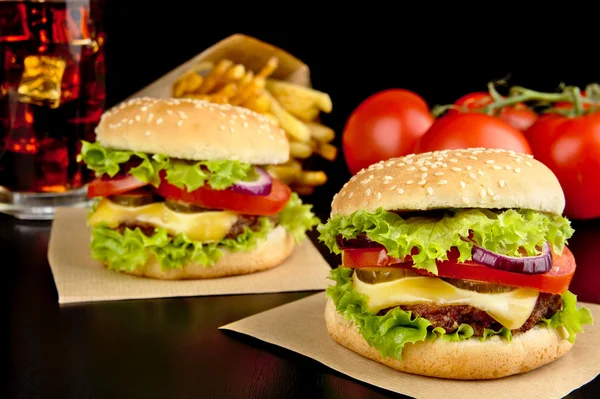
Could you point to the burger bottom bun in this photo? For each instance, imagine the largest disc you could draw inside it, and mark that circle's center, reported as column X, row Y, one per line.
column 269, row 253
column 470, row 359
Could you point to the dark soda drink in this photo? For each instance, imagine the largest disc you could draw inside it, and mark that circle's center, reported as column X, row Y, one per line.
column 52, row 91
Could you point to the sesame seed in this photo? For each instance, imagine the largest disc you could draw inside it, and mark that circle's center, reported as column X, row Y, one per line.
column 368, row 192
column 501, row 183
column 386, row 182
column 159, row 121
column 453, row 160
column 517, row 170
column 179, row 123
column 474, row 158
column 439, row 173
column 466, row 200
column 169, row 112
column 342, row 194
column 434, row 166
column 378, row 195
column 497, row 167
column 144, row 109
column 422, row 182
column 365, row 181
column 489, row 161
column 360, row 172
column 424, row 169
column 232, row 129
column 390, row 163
column 472, row 175
column 271, row 137
column 483, row 193
column 138, row 118
column 400, row 164
column 462, row 184
column 429, row 190
column 528, row 163
column 480, row 172
column 222, row 127
column 424, row 175
column 350, row 195
column 442, row 182
column 456, row 169
column 490, row 191
column 468, row 167
column 496, row 197
column 508, row 167
column 387, row 178
column 148, row 133
column 411, row 168
column 365, row 203
column 393, row 187
column 410, row 181
column 400, row 191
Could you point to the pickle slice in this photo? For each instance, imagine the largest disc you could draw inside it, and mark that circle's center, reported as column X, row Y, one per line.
column 479, row 286
column 183, row 207
column 376, row 275
column 137, row 197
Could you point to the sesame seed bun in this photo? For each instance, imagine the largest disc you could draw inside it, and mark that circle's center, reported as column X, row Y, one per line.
column 193, row 130
column 470, row 359
column 467, row 178
column 269, row 253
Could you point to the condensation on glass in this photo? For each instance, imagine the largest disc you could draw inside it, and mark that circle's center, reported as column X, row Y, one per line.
column 52, row 93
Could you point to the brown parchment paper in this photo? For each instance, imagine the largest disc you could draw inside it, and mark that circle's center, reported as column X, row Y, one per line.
column 80, row 278
column 240, row 49
column 300, row 327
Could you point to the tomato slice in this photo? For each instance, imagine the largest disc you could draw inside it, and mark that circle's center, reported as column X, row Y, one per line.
column 227, row 199
column 555, row 281
column 100, row 187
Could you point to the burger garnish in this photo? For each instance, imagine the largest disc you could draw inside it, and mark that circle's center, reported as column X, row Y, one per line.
column 452, row 246
column 181, row 184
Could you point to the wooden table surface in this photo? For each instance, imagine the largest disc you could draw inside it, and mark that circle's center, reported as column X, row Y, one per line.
column 171, row 348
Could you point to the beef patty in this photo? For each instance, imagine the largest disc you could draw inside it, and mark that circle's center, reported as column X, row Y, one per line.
column 451, row 317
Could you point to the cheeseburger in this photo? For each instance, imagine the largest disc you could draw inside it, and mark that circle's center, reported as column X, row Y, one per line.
column 454, row 265
column 182, row 193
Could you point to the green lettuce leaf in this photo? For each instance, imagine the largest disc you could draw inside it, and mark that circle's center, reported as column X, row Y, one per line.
column 389, row 333
column 129, row 250
column 189, row 174
column 570, row 318
column 507, row 232
column 297, row 218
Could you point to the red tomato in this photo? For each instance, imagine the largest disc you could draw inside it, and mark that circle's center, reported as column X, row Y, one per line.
column 555, row 281
column 385, row 125
column 227, row 199
column 468, row 130
column 570, row 147
column 100, row 187
column 518, row 116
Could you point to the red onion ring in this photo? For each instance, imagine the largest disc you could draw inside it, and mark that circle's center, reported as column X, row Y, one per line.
column 260, row 186
column 525, row 265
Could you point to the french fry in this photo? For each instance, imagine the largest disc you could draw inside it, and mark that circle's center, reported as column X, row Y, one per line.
column 327, row 151
column 228, row 91
column 320, row 133
column 245, row 93
column 294, row 127
column 300, row 150
column 302, row 102
column 215, row 76
column 312, row 178
column 258, row 104
column 188, row 83
column 269, row 68
column 235, row 73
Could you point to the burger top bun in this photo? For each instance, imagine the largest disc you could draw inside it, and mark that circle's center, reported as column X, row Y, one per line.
column 193, row 130
column 465, row 178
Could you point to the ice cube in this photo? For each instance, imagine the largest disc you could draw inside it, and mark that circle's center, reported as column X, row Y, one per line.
column 41, row 80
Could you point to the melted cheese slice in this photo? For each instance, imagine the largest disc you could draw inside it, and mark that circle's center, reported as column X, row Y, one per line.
column 511, row 309
column 209, row 226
